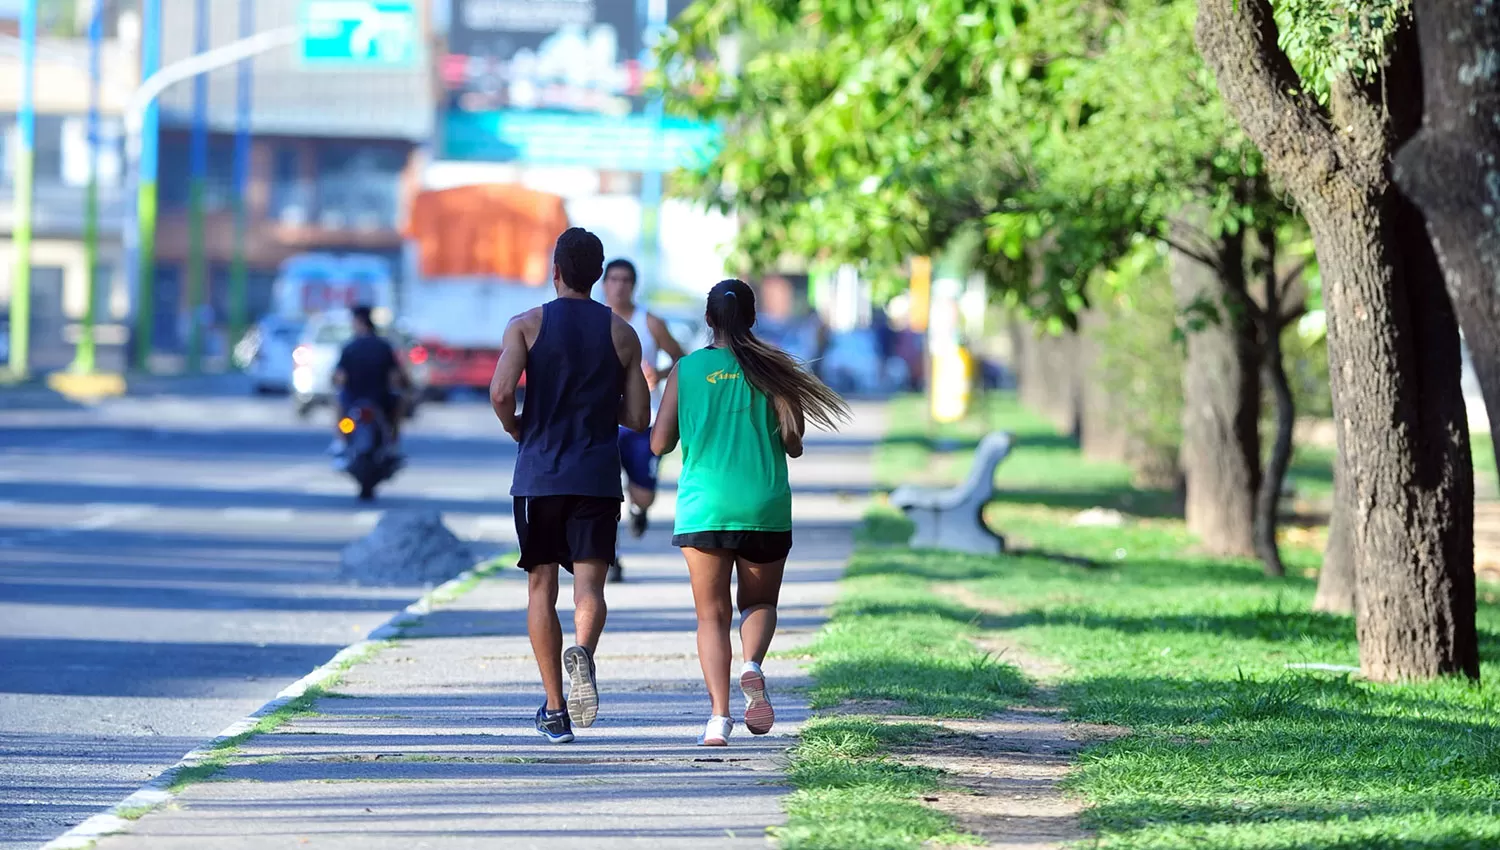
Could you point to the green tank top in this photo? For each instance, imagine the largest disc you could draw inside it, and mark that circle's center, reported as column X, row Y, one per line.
column 733, row 462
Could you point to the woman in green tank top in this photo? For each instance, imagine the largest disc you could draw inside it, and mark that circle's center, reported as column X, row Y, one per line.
column 738, row 408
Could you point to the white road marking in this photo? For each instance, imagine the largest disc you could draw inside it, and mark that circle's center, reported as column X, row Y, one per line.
column 258, row 514
column 106, row 518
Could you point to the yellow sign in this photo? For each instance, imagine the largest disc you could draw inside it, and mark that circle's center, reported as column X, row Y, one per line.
column 921, row 292
column 952, row 377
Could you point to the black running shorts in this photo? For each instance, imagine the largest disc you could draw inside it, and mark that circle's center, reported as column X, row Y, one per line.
column 757, row 547
column 565, row 529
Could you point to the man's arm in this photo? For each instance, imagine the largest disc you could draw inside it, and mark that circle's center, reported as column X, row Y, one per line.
column 664, row 339
column 399, row 379
column 507, row 378
column 341, row 371
column 665, row 433
column 635, row 404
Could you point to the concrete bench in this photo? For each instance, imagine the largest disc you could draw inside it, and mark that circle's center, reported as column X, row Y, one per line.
column 953, row 518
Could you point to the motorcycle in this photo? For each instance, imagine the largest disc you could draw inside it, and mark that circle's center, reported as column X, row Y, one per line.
column 369, row 456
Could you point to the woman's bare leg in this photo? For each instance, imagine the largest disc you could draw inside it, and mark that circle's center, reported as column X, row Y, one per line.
column 709, row 571
column 759, row 590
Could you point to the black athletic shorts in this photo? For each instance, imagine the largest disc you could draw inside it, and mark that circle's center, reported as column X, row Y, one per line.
column 757, row 547
column 564, row 529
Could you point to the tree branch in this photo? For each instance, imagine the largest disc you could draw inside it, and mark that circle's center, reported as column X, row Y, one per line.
column 1238, row 40
column 1294, row 274
column 1192, row 253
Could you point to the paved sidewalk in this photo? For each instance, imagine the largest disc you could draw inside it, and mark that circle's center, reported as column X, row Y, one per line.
column 429, row 744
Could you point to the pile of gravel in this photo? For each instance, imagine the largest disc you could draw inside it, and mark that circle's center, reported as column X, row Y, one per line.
column 406, row 548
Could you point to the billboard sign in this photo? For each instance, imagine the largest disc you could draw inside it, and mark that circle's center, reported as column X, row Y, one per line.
column 556, row 82
column 576, row 56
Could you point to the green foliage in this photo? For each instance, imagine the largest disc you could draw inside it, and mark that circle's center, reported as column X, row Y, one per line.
column 1306, row 353
column 872, row 131
column 1330, row 41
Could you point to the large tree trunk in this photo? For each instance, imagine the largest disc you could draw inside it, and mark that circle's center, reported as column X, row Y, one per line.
column 1392, row 338
column 1336, row 586
column 1268, row 500
column 1451, row 168
column 1221, row 387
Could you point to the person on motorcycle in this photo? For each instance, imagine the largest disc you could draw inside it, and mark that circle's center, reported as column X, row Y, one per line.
column 369, row 370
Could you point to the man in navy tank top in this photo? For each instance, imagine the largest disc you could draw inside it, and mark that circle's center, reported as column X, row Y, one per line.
column 583, row 381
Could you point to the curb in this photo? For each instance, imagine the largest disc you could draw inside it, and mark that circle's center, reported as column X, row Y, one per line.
column 156, row 792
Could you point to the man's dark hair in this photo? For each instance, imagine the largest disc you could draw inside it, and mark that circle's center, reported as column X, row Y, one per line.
column 625, row 264
column 362, row 316
column 580, row 258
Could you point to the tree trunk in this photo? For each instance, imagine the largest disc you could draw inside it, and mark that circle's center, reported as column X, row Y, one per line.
column 1336, row 585
column 1392, row 337
column 1050, row 378
column 1268, row 500
column 1221, row 388
column 1102, row 435
column 1451, row 169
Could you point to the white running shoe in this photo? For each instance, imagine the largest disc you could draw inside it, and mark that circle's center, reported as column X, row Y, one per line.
column 759, row 715
column 716, row 733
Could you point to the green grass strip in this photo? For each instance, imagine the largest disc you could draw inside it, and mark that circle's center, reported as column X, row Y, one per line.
column 1232, row 745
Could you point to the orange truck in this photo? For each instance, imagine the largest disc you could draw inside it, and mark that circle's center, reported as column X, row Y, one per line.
column 474, row 257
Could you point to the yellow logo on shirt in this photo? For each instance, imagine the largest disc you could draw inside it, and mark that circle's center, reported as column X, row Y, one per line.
column 722, row 375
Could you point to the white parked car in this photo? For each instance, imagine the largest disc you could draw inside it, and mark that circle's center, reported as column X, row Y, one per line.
column 267, row 354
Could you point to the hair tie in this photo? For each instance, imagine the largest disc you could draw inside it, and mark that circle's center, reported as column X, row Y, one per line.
column 729, row 293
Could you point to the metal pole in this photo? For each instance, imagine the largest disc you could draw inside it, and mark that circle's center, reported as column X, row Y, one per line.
column 238, row 291
column 198, row 165
column 655, row 14
column 20, row 291
column 142, row 141
column 84, row 359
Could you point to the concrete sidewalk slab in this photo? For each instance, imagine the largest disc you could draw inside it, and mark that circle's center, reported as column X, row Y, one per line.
column 430, row 743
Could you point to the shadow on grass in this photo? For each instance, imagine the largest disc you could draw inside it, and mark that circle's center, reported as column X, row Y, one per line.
column 1152, row 504
column 1287, row 754
column 1266, row 625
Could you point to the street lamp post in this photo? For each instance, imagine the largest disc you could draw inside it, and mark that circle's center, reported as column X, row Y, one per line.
column 139, row 143
column 238, row 286
column 198, row 177
column 655, row 14
column 20, row 291
column 144, row 138
column 85, row 357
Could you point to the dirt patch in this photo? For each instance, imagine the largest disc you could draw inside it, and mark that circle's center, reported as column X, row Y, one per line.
column 1003, row 773
column 1042, row 670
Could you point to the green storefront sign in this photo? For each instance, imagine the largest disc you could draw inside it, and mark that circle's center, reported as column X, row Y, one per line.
column 371, row 33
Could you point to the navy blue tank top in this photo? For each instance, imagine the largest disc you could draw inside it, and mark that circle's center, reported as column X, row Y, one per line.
column 570, row 418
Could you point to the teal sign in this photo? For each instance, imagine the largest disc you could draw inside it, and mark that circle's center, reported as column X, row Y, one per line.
column 623, row 143
column 373, row 33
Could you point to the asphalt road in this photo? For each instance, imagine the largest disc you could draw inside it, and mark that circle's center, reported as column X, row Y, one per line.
column 168, row 564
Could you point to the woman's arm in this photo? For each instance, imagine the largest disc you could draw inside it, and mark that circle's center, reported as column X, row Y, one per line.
column 664, row 435
column 793, row 425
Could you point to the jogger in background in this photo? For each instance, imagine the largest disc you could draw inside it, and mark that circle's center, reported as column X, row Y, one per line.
column 635, row 446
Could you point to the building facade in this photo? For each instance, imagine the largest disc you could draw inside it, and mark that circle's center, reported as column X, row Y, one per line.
column 335, row 156
column 59, row 265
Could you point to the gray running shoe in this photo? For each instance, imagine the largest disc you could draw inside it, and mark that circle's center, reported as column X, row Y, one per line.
column 583, row 692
